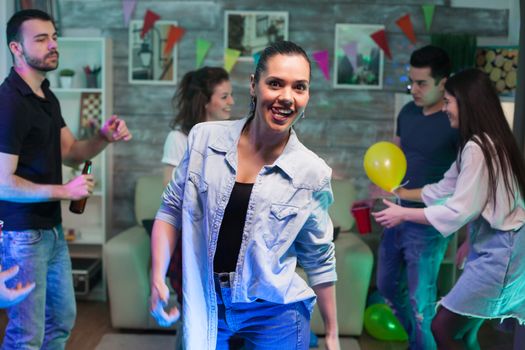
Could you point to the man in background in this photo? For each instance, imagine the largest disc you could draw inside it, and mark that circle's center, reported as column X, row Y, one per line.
column 34, row 142
column 410, row 254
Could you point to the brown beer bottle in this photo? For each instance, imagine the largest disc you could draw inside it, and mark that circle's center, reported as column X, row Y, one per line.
column 78, row 206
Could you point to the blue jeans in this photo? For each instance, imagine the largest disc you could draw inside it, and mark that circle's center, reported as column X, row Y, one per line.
column 45, row 318
column 262, row 325
column 410, row 255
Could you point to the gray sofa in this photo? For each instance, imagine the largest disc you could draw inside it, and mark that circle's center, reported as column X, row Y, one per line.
column 127, row 262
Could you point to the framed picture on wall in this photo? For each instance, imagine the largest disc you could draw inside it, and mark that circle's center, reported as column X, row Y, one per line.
column 149, row 64
column 49, row 6
column 251, row 31
column 501, row 65
column 358, row 61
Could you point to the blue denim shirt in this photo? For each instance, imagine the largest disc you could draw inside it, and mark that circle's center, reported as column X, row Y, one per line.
column 287, row 222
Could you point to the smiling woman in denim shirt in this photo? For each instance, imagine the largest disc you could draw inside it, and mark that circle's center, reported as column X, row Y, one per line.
column 251, row 203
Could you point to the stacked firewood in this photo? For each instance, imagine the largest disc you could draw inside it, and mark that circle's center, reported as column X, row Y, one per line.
column 501, row 65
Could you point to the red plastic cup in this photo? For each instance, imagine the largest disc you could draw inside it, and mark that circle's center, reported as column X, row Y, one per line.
column 361, row 213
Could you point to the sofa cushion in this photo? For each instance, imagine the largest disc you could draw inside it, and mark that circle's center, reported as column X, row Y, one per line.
column 148, row 194
column 344, row 196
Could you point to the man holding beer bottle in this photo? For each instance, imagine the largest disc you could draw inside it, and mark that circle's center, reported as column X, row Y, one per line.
column 34, row 142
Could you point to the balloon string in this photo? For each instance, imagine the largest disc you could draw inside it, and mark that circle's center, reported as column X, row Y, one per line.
column 398, row 199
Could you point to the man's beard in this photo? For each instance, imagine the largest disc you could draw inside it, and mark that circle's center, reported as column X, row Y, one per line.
column 40, row 64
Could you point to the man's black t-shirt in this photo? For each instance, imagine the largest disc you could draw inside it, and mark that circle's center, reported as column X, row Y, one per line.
column 430, row 145
column 30, row 128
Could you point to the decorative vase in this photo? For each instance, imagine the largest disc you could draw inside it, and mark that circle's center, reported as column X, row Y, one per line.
column 92, row 81
column 65, row 82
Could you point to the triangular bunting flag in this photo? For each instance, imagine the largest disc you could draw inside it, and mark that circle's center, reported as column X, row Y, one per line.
column 150, row 18
column 321, row 57
column 174, row 35
column 202, row 48
column 256, row 56
column 128, row 6
column 351, row 53
column 230, row 58
column 406, row 26
column 380, row 39
column 428, row 13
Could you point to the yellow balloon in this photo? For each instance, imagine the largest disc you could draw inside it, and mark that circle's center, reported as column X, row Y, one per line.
column 385, row 165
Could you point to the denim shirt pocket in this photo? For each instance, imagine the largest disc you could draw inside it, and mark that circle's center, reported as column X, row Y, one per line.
column 195, row 197
column 281, row 218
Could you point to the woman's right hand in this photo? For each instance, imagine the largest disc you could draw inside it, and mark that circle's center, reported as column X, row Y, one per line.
column 159, row 300
column 392, row 216
column 332, row 342
column 12, row 296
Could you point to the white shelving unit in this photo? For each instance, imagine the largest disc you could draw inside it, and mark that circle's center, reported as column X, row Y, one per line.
column 91, row 228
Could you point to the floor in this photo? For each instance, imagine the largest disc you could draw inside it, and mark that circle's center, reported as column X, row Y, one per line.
column 93, row 322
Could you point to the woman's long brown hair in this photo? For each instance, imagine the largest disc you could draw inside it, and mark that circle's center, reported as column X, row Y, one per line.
column 482, row 121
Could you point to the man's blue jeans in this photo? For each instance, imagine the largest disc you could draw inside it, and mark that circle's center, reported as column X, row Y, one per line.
column 45, row 318
column 262, row 325
column 410, row 255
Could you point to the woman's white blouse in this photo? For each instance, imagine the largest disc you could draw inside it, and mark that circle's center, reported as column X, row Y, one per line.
column 461, row 197
column 174, row 148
